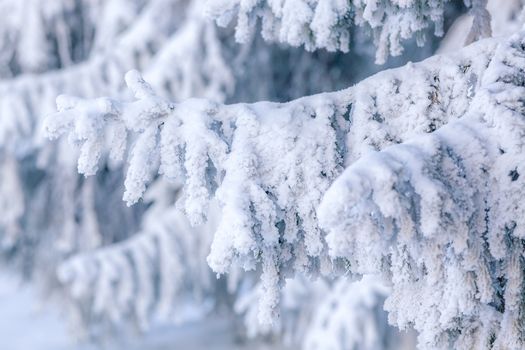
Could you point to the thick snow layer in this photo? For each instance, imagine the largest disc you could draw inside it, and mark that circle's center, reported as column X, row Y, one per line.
column 251, row 157
column 430, row 198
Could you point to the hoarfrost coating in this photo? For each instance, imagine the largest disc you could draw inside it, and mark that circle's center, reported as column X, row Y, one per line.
column 408, row 180
column 328, row 24
column 416, row 192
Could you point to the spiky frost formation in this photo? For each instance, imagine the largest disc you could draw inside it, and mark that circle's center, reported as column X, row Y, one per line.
column 329, row 24
column 269, row 164
column 442, row 216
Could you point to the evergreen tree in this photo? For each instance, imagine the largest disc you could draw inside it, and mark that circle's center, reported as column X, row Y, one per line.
column 408, row 180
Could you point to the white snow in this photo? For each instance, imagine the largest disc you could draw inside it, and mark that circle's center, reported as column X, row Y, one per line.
column 28, row 323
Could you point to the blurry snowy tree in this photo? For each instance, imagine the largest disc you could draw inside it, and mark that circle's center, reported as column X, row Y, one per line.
column 411, row 177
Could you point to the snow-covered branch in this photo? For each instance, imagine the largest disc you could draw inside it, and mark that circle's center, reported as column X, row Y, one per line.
column 145, row 277
column 268, row 164
column 102, row 73
column 410, row 181
column 327, row 24
column 442, row 216
column 353, row 310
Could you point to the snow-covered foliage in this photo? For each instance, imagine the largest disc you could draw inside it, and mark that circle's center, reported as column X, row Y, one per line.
column 11, row 205
column 51, row 208
column 362, row 328
column 328, row 314
column 36, row 36
column 330, row 24
column 251, row 157
column 148, row 276
column 223, row 150
column 50, row 213
column 100, row 73
column 446, row 213
column 412, row 175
